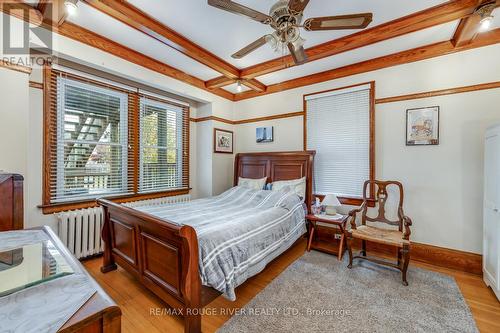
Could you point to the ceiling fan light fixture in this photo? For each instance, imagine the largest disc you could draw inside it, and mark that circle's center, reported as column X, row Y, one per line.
column 239, row 88
column 273, row 41
column 485, row 23
column 71, row 6
column 298, row 43
column 485, row 12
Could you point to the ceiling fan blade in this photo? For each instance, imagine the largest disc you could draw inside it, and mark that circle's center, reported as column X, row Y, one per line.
column 297, row 6
column 250, row 47
column 236, row 8
column 299, row 55
column 356, row 21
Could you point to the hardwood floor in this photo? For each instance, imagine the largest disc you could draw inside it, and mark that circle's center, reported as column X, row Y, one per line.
column 139, row 305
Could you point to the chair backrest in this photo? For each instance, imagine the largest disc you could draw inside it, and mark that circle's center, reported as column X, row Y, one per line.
column 380, row 196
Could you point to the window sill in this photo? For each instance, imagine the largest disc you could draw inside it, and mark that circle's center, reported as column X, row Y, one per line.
column 65, row 206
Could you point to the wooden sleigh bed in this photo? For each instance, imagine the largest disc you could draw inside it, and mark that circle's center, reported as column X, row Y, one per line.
column 163, row 256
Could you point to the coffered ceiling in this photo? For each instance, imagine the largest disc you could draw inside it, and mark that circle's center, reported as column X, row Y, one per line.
column 223, row 33
column 195, row 41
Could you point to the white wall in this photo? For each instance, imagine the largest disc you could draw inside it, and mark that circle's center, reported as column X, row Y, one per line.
column 222, row 166
column 14, row 123
column 443, row 184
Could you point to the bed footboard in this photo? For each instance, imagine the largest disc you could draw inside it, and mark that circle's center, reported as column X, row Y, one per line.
column 161, row 255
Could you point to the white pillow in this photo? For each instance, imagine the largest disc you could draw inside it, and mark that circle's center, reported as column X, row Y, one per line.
column 298, row 186
column 255, row 184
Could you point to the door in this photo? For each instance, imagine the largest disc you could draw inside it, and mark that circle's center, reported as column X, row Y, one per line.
column 491, row 226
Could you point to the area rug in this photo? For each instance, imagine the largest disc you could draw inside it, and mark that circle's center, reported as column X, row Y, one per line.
column 317, row 293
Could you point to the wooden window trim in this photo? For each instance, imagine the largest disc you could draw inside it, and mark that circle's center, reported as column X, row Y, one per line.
column 49, row 139
column 60, row 207
column 346, row 200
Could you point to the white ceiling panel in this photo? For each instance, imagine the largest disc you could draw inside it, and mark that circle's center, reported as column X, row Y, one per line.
column 224, row 33
column 496, row 19
column 233, row 88
column 420, row 38
column 108, row 27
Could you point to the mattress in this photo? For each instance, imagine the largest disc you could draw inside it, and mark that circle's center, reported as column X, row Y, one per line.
column 239, row 232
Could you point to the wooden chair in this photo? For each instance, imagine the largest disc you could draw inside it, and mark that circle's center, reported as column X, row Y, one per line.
column 399, row 238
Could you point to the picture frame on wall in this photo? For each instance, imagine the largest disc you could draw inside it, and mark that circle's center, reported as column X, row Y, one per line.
column 422, row 126
column 223, row 141
column 264, row 134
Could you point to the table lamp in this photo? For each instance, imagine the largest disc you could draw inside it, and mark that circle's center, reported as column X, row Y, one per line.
column 330, row 202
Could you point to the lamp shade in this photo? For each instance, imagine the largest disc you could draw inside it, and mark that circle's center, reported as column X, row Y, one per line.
column 331, row 200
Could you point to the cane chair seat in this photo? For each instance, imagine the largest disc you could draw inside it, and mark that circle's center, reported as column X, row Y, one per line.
column 379, row 235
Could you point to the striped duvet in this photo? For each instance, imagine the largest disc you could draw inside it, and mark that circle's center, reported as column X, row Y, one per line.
column 239, row 232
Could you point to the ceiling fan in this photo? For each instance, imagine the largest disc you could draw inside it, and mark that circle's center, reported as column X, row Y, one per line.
column 285, row 17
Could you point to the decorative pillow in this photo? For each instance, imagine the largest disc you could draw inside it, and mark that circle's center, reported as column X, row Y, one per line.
column 298, row 186
column 256, row 184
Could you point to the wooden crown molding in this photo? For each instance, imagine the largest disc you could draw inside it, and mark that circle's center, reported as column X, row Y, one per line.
column 442, row 92
column 137, row 19
column 399, row 58
column 444, row 13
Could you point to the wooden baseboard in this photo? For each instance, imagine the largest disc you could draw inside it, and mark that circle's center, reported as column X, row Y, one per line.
column 429, row 254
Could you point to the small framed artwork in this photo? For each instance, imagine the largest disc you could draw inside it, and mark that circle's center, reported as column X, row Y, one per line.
column 223, row 141
column 264, row 134
column 422, row 126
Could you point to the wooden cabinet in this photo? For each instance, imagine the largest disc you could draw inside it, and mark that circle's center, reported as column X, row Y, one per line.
column 491, row 210
column 11, row 202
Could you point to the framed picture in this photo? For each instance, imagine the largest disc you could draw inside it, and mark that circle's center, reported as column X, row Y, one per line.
column 264, row 134
column 223, row 141
column 422, row 126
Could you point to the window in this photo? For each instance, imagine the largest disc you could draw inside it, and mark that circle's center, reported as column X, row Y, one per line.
column 103, row 140
column 161, row 146
column 340, row 127
column 91, row 141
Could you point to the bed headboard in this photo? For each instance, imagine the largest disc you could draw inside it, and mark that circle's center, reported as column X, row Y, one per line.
column 277, row 166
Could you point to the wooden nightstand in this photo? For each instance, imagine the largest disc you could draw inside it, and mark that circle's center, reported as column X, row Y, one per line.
column 340, row 223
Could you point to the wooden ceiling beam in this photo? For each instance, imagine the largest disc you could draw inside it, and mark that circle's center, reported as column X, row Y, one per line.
column 468, row 28
column 399, row 58
column 223, row 81
column 444, row 13
column 135, row 18
column 42, row 6
column 60, row 11
column 18, row 8
column 254, row 85
column 90, row 38
column 53, row 10
column 219, row 82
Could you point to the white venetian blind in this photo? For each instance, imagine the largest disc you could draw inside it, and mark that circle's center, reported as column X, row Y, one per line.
column 163, row 146
column 92, row 141
column 338, row 128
